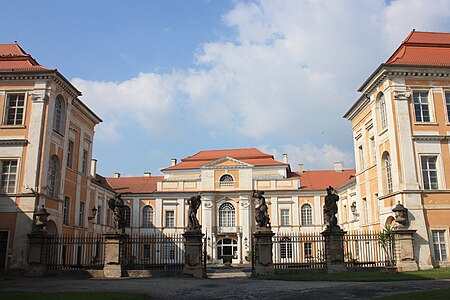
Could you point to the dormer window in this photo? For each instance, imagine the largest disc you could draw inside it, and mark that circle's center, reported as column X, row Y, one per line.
column 226, row 180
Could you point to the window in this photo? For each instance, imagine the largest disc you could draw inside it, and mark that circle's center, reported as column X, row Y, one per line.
column 170, row 218
column 84, row 162
column 147, row 216
column 66, row 210
column 227, row 215
column 306, row 211
column 147, row 252
column 108, row 217
column 169, row 250
column 429, row 172
column 59, row 115
column 99, row 214
column 447, row 102
column 126, row 214
column 226, row 181
column 345, row 213
column 53, row 177
column 15, row 104
column 383, row 115
column 440, row 251
column 307, row 249
column 285, row 221
column 285, row 247
column 361, row 157
column 81, row 215
column 8, row 176
column 365, row 211
column 387, row 172
column 373, row 157
column 70, row 155
column 421, row 107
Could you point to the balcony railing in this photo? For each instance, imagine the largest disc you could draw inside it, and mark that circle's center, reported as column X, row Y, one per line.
column 231, row 229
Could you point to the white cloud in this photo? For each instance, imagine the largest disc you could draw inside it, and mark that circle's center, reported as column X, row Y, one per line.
column 290, row 73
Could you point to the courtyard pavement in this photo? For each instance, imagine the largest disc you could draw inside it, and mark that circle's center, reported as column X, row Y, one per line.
column 222, row 286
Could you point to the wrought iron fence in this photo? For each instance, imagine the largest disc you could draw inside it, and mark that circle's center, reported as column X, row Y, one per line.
column 154, row 251
column 298, row 250
column 75, row 252
column 364, row 250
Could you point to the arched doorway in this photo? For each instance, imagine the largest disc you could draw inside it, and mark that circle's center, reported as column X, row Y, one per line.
column 51, row 228
column 227, row 250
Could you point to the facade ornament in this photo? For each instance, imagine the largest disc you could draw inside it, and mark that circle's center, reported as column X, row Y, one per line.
column 41, row 220
column 330, row 208
column 261, row 211
column 401, row 216
column 403, row 94
column 117, row 205
column 194, row 203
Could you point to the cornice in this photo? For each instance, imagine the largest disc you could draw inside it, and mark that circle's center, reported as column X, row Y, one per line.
column 13, row 142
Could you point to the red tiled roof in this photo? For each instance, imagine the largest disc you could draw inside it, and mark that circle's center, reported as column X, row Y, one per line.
column 321, row 179
column 251, row 156
column 100, row 180
column 424, row 49
column 139, row 184
column 15, row 59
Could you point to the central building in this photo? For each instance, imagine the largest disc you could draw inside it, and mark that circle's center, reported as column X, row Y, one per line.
column 226, row 180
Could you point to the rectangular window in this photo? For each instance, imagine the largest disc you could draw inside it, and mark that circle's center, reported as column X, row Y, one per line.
column 372, row 150
column 429, row 172
column 108, row 217
column 81, row 215
column 285, row 248
column 365, row 212
column 170, row 218
column 447, row 102
column 307, row 247
column 70, row 155
column 421, row 107
column 361, row 157
column 147, row 252
column 440, row 250
column 15, row 104
column 99, row 214
column 285, row 221
column 84, row 162
column 66, row 210
column 8, row 176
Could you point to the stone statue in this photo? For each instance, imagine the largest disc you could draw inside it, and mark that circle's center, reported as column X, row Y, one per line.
column 116, row 205
column 194, row 203
column 261, row 211
column 330, row 208
column 401, row 216
column 41, row 220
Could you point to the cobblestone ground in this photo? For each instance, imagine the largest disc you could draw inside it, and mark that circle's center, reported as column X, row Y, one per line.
column 225, row 288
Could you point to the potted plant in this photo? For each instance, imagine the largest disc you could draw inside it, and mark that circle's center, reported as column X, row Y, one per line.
column 386, row 238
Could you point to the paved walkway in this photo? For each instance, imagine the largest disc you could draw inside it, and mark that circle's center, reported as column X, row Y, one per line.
column 232, row 288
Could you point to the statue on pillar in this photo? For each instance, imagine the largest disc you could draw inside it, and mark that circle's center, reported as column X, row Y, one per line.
column 261, row 211
column 194, row 203
column 401, row 216
column 117, row 205
column 330, row 208
column 41, row 220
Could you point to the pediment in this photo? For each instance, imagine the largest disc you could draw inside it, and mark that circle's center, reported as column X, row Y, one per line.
column 226, row 162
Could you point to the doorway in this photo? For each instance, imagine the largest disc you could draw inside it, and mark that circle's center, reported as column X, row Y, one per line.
column 227, row 250
column 3, row 250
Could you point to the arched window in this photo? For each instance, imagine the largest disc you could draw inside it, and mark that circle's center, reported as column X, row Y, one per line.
column 306, row 211
column 227, row 215
column 126, row 214
column 54, row 171
column 147, row 216
column 383, row 115
column 59, row 117
column 387, row 172
column 226, row 180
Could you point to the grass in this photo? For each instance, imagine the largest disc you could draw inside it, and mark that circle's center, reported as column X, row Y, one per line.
column 423, row 295
column 72, row 296
column 441, row 273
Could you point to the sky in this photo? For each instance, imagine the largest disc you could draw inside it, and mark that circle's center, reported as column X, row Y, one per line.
column 170, row 78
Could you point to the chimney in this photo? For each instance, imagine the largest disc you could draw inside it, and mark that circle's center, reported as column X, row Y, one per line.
column 174, row 161
column 338, row 166
column 93, row 167
column 285, row 158
column 117, row 175
column 300, row 168
column 147, row 174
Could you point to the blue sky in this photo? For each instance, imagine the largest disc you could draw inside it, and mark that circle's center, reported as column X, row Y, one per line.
column 171, row 78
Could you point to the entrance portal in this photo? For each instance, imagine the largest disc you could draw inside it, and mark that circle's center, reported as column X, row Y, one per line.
column 227, row 250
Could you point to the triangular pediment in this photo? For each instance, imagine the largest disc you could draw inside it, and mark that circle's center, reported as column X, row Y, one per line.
column 226, row 162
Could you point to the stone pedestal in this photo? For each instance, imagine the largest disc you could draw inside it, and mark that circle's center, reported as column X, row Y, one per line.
column 263, row 264
column 113, row 243
column 334, row 249
column 37, row 253
column 404, row 250
column 193, row 254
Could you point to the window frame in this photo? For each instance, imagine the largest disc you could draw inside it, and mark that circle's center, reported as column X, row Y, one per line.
column 227, row 215
column 16, row 176
column 171, row 219
column 226, row 180
column 306, row 214
column 285, row 220
column 147, row 219
column 66, row 210
column 422, row 172
column 388, row 184
column 381, row 98
column 70, row 153
column 445, row 246
column 420, row 104
column 447, row 104
column 59, row 128
column 7, row 106
column 84, row 161
column 53, row 191
column 81, row 214
column 127, row 215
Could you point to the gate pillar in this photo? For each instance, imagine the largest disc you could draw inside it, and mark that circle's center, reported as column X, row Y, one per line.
column 193, row 253
column 334, row 249
column 37, row 253
column 263, row 264
column 404, row 250
column 113, row 245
